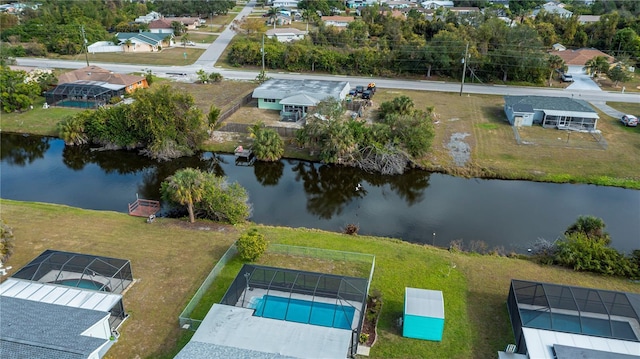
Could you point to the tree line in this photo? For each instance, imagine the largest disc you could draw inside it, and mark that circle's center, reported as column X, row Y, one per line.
column 377, row 43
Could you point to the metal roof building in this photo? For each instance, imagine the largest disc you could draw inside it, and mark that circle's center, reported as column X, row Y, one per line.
column 552, row 321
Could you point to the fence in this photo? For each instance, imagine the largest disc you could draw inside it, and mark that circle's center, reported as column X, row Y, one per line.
column 244, row 128
column 185, row 317
column 187, row 322
column 245, row 100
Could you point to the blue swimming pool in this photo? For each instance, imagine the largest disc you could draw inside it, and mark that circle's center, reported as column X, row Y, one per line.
column 84, row 284
column 303, row 311
column 572, row 324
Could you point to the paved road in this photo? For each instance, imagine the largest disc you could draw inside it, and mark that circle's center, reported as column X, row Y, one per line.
column 190, row 70
column 215, row 50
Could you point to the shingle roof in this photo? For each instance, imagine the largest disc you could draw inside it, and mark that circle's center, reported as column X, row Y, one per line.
column 95, row 73
column 29, row 329
column 580, row 56
column 160, row 24
column 549, row 103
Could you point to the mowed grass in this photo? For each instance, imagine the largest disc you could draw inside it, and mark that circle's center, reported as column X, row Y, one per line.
column 626, row 107
column 170, row 259
column 168, row 56
column 37, row 121
column 222, row 94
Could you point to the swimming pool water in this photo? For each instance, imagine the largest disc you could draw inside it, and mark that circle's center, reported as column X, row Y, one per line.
column 83, row 283
column 571, row 324
column 304, row 311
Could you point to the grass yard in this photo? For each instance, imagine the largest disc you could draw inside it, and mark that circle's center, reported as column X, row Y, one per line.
column 36, row 121
column 223, row 94
column 495, row 153
column 170, row 259
column 626, row 107
column 201, row 38
column 168, row 56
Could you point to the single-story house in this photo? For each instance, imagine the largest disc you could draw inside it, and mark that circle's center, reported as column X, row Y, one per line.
column 552, row 321
column 130, row 83
column 464, row 10
column 279, row 313
column 295, row 98
column 588, row 19
column 434, row 4
column 558, row 47
column 550, row 112
column 191, row 23
column 337, row 21
column 143, row 41
column 287, row 34
column 145, row 19
column 553, row 8
column 285, row 3
column 576, row 59
column 354, row 4
column 63, row 305
column 92, row 87
column 161, row 26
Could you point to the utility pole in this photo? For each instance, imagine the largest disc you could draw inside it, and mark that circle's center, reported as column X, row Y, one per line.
column 464, row 68
column 262, row 53
column 86, row 48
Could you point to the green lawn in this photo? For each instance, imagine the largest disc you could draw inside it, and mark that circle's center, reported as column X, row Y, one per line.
column 626, row 107
column 37, row 121
column 168, row 56
column 171, row 258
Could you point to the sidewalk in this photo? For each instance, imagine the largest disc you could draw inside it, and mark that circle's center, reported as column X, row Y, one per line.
column 209, row 58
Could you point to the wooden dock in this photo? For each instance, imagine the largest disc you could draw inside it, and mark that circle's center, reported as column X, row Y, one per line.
column 144, row 207
column 244, row 156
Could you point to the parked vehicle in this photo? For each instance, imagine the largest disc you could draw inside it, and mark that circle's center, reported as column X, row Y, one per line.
column 353, row 92
column 567, row 77
column 359, row 89
column 191, row 43
column 629, row 120
column 372, row 87
column 367, row 94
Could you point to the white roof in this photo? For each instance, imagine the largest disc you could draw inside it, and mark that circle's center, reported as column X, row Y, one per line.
column 424, row 303
column 539, row 343
column 59, row 294
column 227, row 327
column 571, row 114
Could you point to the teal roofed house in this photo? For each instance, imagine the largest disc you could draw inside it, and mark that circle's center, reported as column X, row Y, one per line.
column 562, row 113
column 295, row 98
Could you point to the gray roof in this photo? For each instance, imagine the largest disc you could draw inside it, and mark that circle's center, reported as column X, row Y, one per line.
column 31, row 329
column 522, row 107
column 541, row 103
column 317, row 89
column 195, row 349
column 567, row 352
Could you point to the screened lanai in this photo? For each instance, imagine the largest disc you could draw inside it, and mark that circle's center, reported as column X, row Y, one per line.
column 79, row 270
column 575, row 310
column 83, row 94
column 298, row 296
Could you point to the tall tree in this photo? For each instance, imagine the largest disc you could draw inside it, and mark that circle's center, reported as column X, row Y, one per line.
column 555, row 63
column 185, row 187
column 590, row 226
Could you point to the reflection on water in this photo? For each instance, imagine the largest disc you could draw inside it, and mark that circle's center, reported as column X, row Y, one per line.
column 414, row 206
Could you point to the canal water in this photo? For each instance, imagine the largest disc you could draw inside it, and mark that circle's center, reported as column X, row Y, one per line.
column 417, row 206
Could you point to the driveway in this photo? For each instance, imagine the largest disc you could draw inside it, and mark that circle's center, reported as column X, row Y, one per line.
column 215, row 50
column 582, row 81
column 607, row 109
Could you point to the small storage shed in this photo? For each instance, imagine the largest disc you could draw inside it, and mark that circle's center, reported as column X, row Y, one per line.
column 423, row 314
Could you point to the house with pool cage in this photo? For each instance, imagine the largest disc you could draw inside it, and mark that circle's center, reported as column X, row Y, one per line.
column 552, row 321
column 280, row 313
column 92, row 87
column 63, row 305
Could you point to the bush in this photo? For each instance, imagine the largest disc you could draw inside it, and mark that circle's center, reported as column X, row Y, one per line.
column 582, row 253
column 251, row 245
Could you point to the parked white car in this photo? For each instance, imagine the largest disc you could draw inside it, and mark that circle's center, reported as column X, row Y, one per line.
column 629, row 120
column 567, row 77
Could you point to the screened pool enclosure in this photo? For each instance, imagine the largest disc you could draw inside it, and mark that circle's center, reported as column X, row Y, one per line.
column 79, row 270
column 83, row 94
column 297, row 296
column 575, row 310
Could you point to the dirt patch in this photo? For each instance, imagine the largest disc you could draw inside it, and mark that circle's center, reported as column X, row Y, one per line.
column 459, row 150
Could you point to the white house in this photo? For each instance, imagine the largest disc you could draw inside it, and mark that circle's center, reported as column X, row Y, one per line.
column 145, row 19
column 434, row 4
column 337, row 21
column 553, row 8
column 285, row 3
column 286, row 34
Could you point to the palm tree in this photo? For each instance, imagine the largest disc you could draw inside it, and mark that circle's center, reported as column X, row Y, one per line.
column 186, row 187
column 555, row 63
column 267, row 144
column 128, row 42
column 596, row 65
column 590, row 226
column 6, row 242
